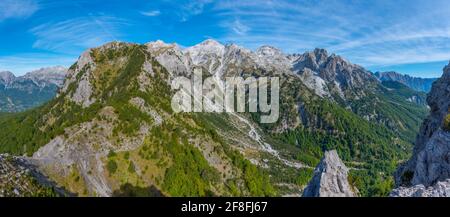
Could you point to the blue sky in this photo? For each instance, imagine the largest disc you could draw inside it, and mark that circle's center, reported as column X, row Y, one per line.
column 409, row 36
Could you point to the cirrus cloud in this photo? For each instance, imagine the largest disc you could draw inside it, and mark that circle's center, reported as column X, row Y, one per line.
column 17, row 8
column 69, row 36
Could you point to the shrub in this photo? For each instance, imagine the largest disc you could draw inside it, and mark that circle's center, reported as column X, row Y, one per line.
column 112, row 154
column 112, row 166
column 447, row 123
column 131, row 168
column 407, row 177
column 126, row 155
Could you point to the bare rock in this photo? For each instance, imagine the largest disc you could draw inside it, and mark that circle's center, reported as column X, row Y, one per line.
column 430, row 162
column 83, row 93
column 330, row 179
column 440, row 189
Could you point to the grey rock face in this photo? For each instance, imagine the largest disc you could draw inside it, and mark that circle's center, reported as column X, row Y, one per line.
column 341, row 77
column 330, row 179
column 83, row 93
column 433, row 162
column 430, row 162
column 171, row 57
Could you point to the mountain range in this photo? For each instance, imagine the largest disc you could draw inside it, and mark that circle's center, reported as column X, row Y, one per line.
column 419, row 84
column 30, row 90
column 111, row 130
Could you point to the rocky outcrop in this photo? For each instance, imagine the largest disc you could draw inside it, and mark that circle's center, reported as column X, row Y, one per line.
column 330, row 179
column 18, row 178
column 430, row 163
column 83, row 93
column 171, row 57
column 334, row 74
column 440, row 189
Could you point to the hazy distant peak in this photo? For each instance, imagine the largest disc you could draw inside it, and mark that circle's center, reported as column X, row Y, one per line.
column 211, row 42
column 267, row 50
column 7, row 76
column 48, row 71
column 419, row 84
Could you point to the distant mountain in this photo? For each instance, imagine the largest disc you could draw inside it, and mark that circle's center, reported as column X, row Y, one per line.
column 30, row 90
column 353, row 87
column 419, row 84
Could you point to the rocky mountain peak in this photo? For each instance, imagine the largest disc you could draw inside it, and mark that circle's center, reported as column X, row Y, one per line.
column 210, row 42
column 7, row 77
column 336, row 76
column 171, row 56
column 267, row 50
column 48, row 70
column 208, row 54
column 157, row 44
column 206, row 47
column 330, row 179
column 320, row 54
column 49, row 75
column 309, row 60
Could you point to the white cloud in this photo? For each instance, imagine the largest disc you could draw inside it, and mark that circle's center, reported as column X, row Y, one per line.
column 151, row 13
column 240, row 28
column 17, row 8
column 73, row 35
column 192, row 8
column 370, row 33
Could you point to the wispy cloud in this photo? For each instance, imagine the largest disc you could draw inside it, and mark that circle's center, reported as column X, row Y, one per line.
column 17, row 8
column 239, row 28
column 78, row 33
column 370, row 33
column 153, row 13
column 191, row 8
